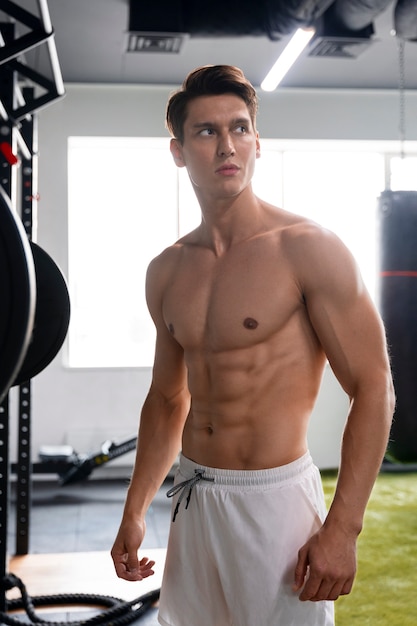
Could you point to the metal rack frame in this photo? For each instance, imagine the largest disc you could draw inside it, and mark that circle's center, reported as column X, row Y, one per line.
column 18, row 129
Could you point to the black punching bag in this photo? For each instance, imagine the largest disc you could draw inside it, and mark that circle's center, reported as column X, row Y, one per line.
column 398, row 302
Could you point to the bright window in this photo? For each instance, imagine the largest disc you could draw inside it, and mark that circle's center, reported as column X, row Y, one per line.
column 127, row 201
column 403, row 173
column 339, row 190
column 122, row 211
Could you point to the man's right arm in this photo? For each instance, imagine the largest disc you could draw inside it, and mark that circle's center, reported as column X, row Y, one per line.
column 159, row 438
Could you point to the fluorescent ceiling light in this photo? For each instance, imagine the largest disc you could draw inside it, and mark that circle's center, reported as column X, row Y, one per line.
column 287, row 58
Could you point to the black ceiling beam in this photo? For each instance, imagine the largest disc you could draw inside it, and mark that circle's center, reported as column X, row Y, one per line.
column 40, row 32
column 22, row 44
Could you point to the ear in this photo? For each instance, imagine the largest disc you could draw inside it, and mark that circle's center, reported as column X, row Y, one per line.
column 176, row 151
column 258, row 146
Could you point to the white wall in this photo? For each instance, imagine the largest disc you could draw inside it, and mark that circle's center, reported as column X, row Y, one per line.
column 84, row 408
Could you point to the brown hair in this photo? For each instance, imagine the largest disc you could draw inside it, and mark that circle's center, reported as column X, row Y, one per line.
column 209, row 80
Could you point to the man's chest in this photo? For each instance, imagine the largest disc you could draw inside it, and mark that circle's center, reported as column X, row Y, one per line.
column 229, row 306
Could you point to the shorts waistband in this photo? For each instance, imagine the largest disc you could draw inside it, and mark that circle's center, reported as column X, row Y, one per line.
column 247, row 478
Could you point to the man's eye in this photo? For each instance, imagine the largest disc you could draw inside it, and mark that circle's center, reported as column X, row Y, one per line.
column 241, row 129
column 207, row 131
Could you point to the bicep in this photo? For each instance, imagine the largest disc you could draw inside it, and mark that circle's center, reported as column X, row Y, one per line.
column 169, row 375
column 345, row 319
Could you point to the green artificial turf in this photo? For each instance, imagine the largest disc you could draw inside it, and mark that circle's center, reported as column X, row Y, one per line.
column 385, row 590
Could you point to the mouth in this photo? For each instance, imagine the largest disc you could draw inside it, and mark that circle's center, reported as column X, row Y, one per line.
column 228, row 169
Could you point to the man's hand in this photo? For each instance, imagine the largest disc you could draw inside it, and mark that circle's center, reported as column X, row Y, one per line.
column 326, row 566
column 125, row 552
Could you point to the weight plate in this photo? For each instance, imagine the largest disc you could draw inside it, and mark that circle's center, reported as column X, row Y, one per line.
column 17, row 294
column 52, row 316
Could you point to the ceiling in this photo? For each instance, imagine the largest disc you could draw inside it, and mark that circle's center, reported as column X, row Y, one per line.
column 91, row 39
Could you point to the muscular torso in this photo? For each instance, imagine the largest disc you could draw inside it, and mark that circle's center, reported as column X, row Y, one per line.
column 254, row 362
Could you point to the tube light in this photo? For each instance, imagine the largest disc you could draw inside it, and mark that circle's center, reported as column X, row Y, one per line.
column 287, row 58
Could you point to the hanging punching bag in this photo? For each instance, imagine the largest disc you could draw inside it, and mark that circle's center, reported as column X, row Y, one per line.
column 398, row 303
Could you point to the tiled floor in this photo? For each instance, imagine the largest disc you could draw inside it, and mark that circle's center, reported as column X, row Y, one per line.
column 84, row 517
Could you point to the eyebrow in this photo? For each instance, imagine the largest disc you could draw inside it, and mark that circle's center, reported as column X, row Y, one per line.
column 240, row 120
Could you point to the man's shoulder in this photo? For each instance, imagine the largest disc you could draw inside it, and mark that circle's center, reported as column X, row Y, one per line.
column 307, row 244
column 166, row 258
column 303, row 231
column 277, row 217
column 295, row 229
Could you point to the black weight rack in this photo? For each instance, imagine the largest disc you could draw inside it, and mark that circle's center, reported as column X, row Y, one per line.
column 23, row 91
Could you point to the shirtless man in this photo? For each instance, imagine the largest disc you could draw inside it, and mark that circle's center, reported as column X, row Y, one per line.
column 248, row 307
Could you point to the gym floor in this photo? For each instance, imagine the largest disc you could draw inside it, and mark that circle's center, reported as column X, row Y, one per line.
column 74, row 527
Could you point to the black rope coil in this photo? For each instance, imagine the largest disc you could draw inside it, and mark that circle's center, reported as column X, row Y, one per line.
column 118, row 612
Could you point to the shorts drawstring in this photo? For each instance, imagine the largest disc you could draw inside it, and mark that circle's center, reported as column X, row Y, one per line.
column 181, row 487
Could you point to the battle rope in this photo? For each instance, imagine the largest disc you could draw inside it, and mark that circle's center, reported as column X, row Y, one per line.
column 118, row 612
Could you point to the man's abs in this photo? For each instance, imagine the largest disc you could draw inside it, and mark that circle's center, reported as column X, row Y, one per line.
column 250, row 408
column 257, row 443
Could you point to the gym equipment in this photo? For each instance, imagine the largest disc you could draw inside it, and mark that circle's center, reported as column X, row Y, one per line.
column 37, row 32
column 35, row 311
column 118, row 611
column 34, row 301
column 52, row 316
column 73, row 467
column 398, row 303
column 17, row 295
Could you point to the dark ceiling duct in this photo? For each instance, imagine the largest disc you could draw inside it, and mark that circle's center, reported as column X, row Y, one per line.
column 273, row 18
column 355, row 15
column 237, row 17
column 405, row 19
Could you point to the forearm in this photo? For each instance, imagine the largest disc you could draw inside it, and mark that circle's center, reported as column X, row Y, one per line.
column 159, row 442
column 363, row 447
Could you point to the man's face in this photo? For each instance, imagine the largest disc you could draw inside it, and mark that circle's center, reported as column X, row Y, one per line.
column 220, row 146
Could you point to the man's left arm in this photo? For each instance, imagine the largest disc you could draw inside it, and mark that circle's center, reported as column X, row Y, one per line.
column 353, row 338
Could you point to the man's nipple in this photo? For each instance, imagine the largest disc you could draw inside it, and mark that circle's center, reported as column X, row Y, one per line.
column 250, row 323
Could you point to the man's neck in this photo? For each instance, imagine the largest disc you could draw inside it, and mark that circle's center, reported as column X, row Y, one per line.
column 230, row 222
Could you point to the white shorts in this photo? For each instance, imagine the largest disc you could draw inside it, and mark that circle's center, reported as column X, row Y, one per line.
column 233, row 547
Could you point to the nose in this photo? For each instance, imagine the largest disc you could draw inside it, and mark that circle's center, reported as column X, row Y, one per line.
column 226, row 147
